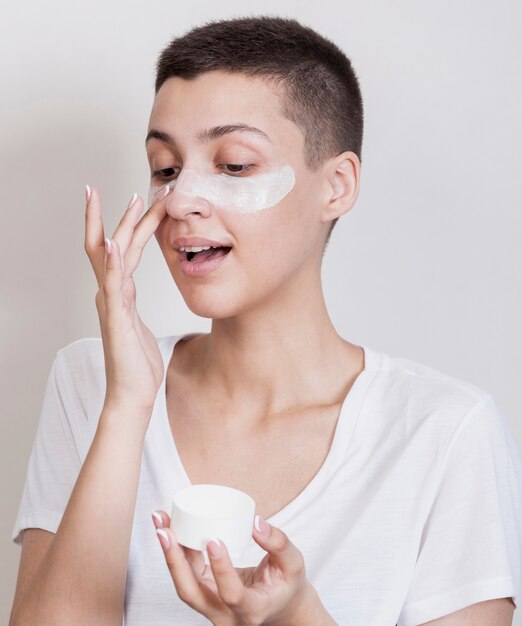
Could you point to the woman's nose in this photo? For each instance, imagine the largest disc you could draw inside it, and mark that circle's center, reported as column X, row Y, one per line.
column 184, row 199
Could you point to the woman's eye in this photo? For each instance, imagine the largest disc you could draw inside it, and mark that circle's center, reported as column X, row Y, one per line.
column 165, row 173
column 234, row 168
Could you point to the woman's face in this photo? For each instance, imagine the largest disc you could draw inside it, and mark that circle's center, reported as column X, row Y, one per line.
column 272, row 221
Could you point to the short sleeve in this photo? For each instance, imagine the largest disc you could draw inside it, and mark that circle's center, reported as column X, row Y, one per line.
column 471, row 544
column 54, row 463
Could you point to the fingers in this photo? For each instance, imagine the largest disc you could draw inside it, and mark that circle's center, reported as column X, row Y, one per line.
column 226, row 595
column 194, row 557
column 180, row 569
column 282, row 551
column 229, row 584
column 160, row 519
column 112, row 287
column 94, row 234
column 125, row 229
column 144, row 230
column 129, row 233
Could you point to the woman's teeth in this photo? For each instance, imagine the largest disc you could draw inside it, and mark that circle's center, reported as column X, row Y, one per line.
column 196, row 248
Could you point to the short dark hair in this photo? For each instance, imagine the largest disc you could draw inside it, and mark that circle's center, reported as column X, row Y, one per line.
column 320, row 94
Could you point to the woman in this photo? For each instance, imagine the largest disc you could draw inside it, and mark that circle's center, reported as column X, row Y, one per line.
column 386, row 492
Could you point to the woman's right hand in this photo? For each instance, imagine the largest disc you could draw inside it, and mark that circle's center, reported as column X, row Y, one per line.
column 133, row 362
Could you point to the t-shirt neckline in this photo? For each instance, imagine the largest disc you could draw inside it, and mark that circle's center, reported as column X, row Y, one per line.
column 345, row 427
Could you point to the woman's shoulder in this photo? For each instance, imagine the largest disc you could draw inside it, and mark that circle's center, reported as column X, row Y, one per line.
column 418, row 375
column 81, row 347
column 83, row 359
column 425, row 395
column 89, row 350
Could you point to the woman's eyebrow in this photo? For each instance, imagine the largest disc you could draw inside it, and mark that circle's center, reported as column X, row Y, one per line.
column 209, row 134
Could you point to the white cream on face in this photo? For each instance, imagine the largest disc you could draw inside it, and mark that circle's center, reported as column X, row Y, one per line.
column 233, row 193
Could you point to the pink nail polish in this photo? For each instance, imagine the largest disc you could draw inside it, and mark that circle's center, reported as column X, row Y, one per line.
column 261, row 526
column 88, row 192
column 133, row 200
column 214, row 548
column 159, row 518
column 163, row 537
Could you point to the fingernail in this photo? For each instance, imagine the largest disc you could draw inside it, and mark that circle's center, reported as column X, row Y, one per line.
column 214, row 548
column 159, row 518
column 108, row 246
column 133, row 200
column 166, row 192
column 163, row 537
column 88, row 192
column 261, row 526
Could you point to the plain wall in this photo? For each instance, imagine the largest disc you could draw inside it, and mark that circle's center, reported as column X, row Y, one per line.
column 426, row 265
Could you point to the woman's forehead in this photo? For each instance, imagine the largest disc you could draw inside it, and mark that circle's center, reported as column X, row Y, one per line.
column 220, row 99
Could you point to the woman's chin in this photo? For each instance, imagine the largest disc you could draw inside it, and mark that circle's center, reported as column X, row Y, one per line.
column 211, row 309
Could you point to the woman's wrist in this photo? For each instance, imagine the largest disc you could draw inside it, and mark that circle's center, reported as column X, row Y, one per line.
column 308, row 611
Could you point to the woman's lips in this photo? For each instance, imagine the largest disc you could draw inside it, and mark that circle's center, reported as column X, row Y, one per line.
column 193, row 268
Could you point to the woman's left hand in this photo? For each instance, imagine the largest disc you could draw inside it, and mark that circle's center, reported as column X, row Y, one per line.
column 275, row 592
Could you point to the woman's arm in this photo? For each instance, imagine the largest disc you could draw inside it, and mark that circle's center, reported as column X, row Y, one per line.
column 81, row 579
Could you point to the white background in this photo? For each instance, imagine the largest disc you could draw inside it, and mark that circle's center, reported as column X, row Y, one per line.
column 425, row 266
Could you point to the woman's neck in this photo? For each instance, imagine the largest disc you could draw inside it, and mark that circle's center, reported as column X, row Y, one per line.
column 259, row 365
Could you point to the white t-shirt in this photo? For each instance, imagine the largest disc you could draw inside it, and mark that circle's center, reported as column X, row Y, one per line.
column 415, row 513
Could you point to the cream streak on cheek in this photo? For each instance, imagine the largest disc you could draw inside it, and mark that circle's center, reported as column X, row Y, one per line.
column 233, row 193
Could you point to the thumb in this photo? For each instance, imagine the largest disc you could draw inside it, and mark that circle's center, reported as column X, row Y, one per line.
column 281, row 550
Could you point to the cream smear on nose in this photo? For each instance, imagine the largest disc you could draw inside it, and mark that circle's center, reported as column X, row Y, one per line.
column 233, row 193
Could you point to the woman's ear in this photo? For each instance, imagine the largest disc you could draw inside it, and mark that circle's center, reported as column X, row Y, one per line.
column 343, row 175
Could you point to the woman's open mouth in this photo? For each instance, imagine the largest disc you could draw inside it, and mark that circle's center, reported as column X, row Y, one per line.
column 197, row 263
